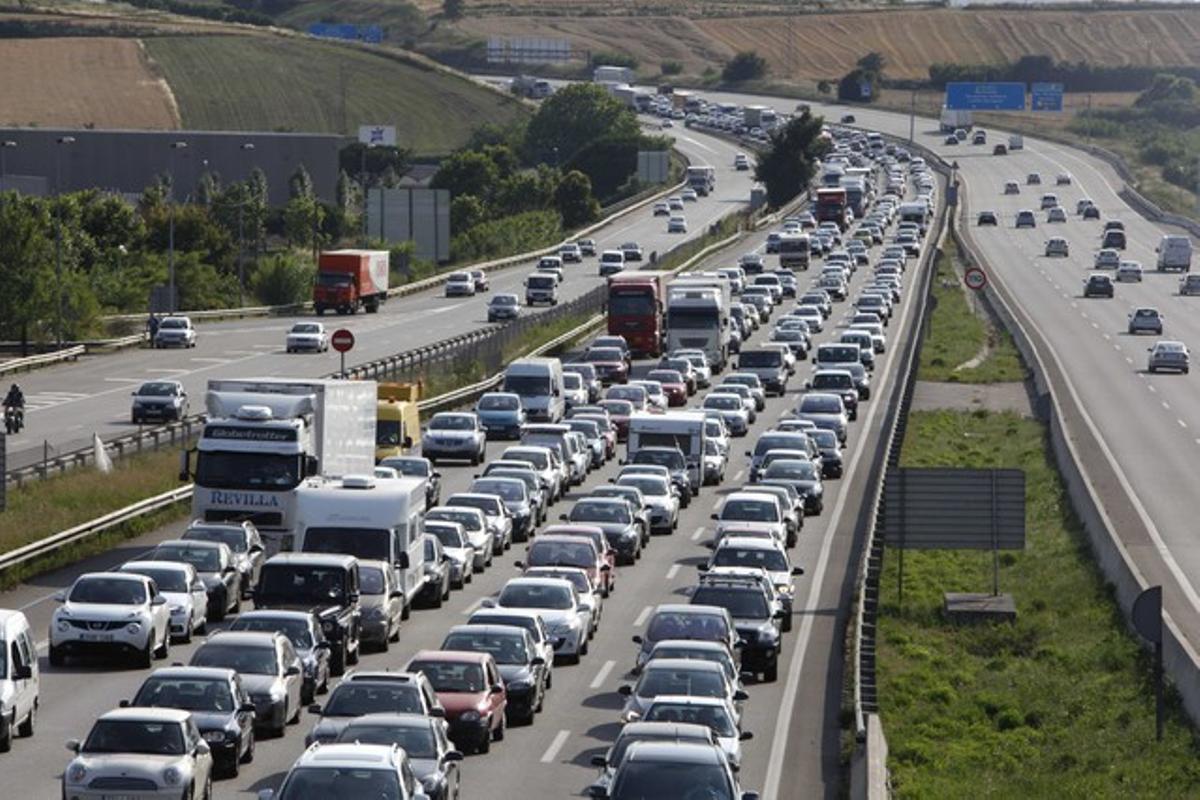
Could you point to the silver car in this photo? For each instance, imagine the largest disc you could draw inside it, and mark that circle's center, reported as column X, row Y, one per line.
column 175, row 332
column 826, row 410
column 661, row 497
column 454, row 434
column 158, row 750
column 186, row 596
column 1172, row 356
column 678, row 676
column 159, row 400
column 497, row 516
column 555, row 601
column 1146, row 320
column 271, row 672
column 307, row 336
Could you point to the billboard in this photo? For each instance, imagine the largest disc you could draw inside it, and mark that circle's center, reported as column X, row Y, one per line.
column 653, row 166
column 372, row 34
column 377, row 135
column 985, row 96
column 421, row 216
column 524, row 50
column 1046, row 97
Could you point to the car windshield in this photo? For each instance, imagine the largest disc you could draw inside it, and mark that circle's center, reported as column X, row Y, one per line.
column 714, row 656
column 771, row 560
column 369, row 543
column 172, row 323
column 825, row 438
column 723, row 402
column 247, row 659
column 714, row 717
column 681, row 625
column 508, row 489
column 506, row 649
column 234, row 538
column 452, row 422
column 487, row 505
column 317, row 783
column 418, row 742
column 525, row 595
column 504, row 300
column 749, row 511
column 156, row 389
column 189, row 694
column 355, row 698
column 759, row 358
column 296, row 630
column 306, row 327
column 695, row 683
column 600, row 512
column 618, row 408
column 741, row 603
column 301, row 584
column 370, row 580
column 469, row 521
column 204, row 559
column 648, row 485
column 671, row 459
column 109, row 591
column 603, row 354
column 167, row 580
column 561, row 554
column 792, row 468
column 572, row 381
column 499, row 402
column 820, row 381
column 813, row 404
column 135, row 736
column 415, row 467
column 451, row 676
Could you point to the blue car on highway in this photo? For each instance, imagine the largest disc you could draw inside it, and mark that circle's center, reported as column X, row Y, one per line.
column 500, row 414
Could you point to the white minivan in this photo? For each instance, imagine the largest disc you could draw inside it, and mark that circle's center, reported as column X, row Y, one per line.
column 1174, row 252
column 18, row 678
column 539, row 383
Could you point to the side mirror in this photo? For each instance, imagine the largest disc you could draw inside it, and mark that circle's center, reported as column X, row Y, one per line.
column 437, row 474
column 291, row 671
column 497, row 688
column 322, row 646
column 713, row 516
column 73, row 745
column 124, row 704
column 158, row 600
column 625, row 690
column 402, row 561
column 488, row 602
column 606, row 568
column 202, row 748
column 637, row 639
column 352, row 598
column 564, row 518
column 60, row 597
column 452, row 755
column 741, row 695
column 266, row 794
column 437, row 712
column 797, row 570
column 395, row 594
column 519, row 564
column 256, row 548
column 537, row 661
column 597, row 793
column 248, row 708
column 599, row 761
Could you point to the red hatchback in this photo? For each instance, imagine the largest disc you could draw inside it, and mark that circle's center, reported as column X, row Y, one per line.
column 619, row 411
column 609, row 362
column 673, row 384
column 559, row 545
column 470, row 688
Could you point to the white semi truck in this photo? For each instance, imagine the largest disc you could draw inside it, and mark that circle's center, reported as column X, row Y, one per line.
column 698, row 317
column 263, row 436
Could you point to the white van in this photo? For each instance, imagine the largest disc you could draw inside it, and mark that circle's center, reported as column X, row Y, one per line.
column 378, row 519
column 539, row 383
column 1174, row 252
column 18, row 678
column 541, row 287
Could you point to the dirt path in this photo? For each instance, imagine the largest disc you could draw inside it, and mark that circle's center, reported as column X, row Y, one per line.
column 931, row 396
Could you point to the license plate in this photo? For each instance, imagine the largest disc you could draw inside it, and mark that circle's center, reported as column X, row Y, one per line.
column 117, row 797
column 96, row 637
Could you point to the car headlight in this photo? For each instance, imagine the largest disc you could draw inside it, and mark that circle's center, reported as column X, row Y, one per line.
column 328, row 626
column 214, row 737
column 520, row 684
column 171, row 776
column 134, row 627
column 63, row 626
column 470, row 716
column 76, row 773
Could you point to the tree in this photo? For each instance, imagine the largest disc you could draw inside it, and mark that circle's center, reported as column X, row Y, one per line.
column 872, row 62
column 466, row 211
column 26, row 258
column 207, row 187
column 300, row 183
column 282, row 279
column 574, row 200
column 452, row 9
column 745, row 66
column 671, row 68
column 823, row 87
column 302, row 219
column 789, row 162
column 466, row 172
column 859, row 86
column 571, row 119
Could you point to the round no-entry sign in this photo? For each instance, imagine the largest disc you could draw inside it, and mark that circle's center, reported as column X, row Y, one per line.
column 975, row 278
column 342, row 340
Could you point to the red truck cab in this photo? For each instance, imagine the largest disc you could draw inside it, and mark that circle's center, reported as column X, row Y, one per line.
column 636, row 300
column 348, row 280
column 832, row 206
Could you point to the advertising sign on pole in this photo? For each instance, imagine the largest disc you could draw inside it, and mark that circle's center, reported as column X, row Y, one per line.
column 377, row 135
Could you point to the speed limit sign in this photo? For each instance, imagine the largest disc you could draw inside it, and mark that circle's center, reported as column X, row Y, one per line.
column 975, row 278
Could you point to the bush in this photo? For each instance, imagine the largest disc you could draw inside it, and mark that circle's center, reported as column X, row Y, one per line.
column 509, row 236
column 671, row 68
column 602, row 58
column 282, row 280
column 745, row 66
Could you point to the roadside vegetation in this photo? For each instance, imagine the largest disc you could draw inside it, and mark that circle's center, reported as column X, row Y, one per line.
column 959, row 332
column 1057, row 704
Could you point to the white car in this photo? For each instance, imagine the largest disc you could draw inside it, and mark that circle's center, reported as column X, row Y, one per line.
column 496, row 516
column 460, row 284
column 661, row 497
column 690, row 196
column 453, row 434
column 632, row 251
column 677, row 225
column 1108, row 258
column 741, row 162
column 175, row 332
column 307, row 336
column 552, row 265
column 187, row 598
column 1056, row 214
column 157, row 750
column 555, row 601
column 111, row 612
column 661, row 209
column 1129, row 272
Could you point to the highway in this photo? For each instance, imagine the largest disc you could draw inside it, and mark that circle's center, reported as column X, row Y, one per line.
column 796, row 749
column 66, row 404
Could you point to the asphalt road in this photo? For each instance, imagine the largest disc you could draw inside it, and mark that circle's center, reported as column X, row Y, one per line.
column 795, row 752
column 66, row 404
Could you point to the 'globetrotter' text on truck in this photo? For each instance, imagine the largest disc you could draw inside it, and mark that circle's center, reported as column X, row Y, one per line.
column 831, row 206
column 348, row 280
column 636, row 301
column 263, row 436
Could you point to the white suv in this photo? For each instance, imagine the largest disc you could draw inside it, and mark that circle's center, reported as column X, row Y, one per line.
column 111, row 612
column 357, row 770
column 175, row 332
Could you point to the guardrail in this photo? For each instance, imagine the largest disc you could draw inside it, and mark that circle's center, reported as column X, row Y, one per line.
column 41, row 360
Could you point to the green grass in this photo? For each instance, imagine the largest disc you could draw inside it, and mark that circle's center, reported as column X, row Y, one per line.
column 1056, row 705
column 43, row 508
column 957, row 334
column 265, row 83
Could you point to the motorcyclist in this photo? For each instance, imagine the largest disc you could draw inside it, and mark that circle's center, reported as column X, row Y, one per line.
column 15, row 399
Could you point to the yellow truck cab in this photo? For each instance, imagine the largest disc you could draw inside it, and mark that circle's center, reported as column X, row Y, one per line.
column 397, row 419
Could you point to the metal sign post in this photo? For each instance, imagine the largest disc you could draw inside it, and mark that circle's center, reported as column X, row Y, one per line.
column 342, row 341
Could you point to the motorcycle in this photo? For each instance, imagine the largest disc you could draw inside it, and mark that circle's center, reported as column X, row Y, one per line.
column 14, row 419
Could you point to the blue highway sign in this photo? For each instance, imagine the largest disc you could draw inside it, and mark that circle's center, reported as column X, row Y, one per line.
column 1046, row 97
column 986, row 96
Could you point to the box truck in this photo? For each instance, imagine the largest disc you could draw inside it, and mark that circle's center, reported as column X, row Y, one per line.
column 263, row 436
column 348, row 280
column 610, row 74
column 397, row 419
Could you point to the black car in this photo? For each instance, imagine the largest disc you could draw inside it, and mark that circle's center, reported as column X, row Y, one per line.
column 437, row 573
column 755, row 617
column 805, row 477
column 987, row 218
column 1091, row 212
column 244, row 541
column 417, row 467
column 218, row 703
column 516, row 654
column 1000, row 150
column 326, row 585
column 214, row 565
column 1098, row 286
column 303, row 630
column 848, row 119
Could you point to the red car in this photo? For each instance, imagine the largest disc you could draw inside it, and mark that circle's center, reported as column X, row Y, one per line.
column 558, row 545
column 619, row 411
column 470, row 688
column 609, row 362
column 673, row 383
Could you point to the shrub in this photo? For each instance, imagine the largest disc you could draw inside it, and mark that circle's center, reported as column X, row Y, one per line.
column 283, row 279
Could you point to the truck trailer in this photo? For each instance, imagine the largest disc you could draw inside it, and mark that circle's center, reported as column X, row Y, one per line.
column 348, row 280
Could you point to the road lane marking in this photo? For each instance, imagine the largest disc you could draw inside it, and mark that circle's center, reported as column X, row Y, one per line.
column 737, row 476
column 697, row 534
column 602, row 675
column 1182, row 424
column 1166, row 405
column 551, row 753
column 471, row 609
column 1150, row 386
column 672, row 572
column 641, row 617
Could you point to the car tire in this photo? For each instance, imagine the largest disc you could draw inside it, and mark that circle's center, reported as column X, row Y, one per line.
column 6, row 734
column 485, row 742
column 27, row 727
column 145, row 657
column 57, row 658
column 771, row 672
column 248, row 758
column 164, row 651
column 337, row 664
column 352, row 656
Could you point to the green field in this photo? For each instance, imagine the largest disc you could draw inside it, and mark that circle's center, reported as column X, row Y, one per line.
column 261, row 83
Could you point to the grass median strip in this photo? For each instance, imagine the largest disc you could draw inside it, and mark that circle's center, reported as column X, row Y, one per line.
column 1057, row 704
column 958, row 335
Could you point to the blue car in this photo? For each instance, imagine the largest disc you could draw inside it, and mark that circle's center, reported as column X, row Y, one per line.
column 501, row 415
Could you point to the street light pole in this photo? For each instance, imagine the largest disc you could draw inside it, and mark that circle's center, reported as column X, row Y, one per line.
column 246, row 147
column 171, row 227
column 4, row 146
column 62, row 140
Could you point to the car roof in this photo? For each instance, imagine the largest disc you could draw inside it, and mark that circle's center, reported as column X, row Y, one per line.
column 356, row 754
column 401, row 720
column 267, row 613
column 457, row 656
column 312, row 559
column 243, row 638
column 674, row 752
column 134, row 566
column 506, row 630
column 747, row 543
column 121, row 576
column 141, row 714
column 691, row 664
column 195, row 673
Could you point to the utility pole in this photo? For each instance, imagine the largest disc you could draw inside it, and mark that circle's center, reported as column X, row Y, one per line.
column 62, row 140
column 4, row 147
column 362, row 181
column 1089, row 120
column 912, row 116
column 246, row 147
column 171, row 227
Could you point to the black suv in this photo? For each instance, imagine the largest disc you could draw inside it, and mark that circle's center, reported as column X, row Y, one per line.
column 1098, row 286
column 326, row 585
column 754, row 615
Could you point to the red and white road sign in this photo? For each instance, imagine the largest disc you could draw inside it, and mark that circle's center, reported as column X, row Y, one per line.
column 975, row 278
column 342, row 340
